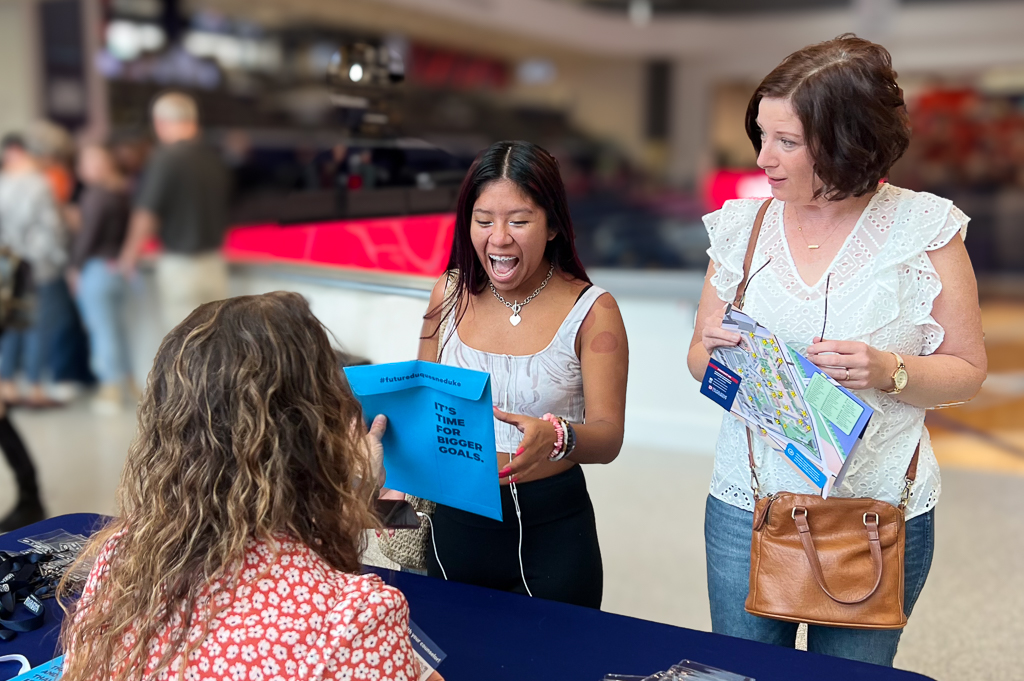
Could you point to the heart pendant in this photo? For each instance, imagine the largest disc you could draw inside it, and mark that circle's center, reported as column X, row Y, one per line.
column 515, row 319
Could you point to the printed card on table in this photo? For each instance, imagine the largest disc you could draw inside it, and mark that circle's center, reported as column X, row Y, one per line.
column 439, row 443
column 807, row 417
column 48, row 671
column 429, row 654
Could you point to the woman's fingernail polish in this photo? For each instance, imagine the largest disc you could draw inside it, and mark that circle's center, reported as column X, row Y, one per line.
column 514, row 478
column 519, row 452
column 504, row 471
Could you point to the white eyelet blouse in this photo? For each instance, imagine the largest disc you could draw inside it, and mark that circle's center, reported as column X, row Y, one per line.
column 881, row 293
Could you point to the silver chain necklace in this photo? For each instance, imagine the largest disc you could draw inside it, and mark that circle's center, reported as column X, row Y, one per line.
column 517, row 306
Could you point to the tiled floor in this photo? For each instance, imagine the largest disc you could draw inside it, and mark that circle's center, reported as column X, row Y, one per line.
column 650, row 513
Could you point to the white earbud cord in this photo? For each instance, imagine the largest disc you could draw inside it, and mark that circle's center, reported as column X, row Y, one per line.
column 519, row 517
column 512, row 485
column 515, row 500
column 26, row 666
column 433, row 540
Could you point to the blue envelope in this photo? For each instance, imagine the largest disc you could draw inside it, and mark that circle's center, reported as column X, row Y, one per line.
column 439, row 443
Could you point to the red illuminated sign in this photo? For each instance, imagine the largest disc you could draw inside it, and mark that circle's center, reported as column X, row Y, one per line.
column 415, row 244
column 723, row 185
column 448, row 69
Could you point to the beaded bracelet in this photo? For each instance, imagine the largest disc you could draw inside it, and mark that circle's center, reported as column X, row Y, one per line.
column 559, row 450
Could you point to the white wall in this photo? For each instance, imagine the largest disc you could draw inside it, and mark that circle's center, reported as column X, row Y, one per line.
column 664, row 409
column 17, row 65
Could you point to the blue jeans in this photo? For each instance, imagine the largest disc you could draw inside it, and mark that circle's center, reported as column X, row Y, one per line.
column 101, row 297
column 727, row 531
column 29, row 349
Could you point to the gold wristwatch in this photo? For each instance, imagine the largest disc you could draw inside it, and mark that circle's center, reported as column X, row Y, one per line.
column 900, row 378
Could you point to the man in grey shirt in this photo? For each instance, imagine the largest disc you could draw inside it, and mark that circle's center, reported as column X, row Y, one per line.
column 183, row 200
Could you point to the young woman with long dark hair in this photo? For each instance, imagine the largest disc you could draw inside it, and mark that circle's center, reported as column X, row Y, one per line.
column 521, row 307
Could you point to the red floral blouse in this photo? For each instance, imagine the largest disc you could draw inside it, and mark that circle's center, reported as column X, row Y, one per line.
column 292, row 617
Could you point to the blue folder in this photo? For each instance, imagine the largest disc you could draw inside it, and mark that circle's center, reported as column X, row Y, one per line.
column 439, row 443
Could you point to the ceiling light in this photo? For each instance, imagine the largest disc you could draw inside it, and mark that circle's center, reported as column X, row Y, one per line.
column 355, row 73
column 640, row 12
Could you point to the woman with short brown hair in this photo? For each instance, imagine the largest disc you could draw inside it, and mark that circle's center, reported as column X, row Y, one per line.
column 903, row 326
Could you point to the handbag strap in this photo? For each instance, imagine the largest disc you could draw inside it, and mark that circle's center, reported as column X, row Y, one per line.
column 870, row 526
column 908, row 480
column 749, row 256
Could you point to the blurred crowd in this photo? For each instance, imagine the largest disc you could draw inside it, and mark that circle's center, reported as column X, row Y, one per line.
column 968, row 146
column 81, row 215
column 965, row 139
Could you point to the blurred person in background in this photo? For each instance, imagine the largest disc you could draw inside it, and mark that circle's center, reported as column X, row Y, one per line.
column 183, row 200
column 827, row 125
column 67, row 356
column 30, row 225
column 130, row 153
column 247, row 490
column 24, row 199
column 28, row 505
column 95, row 279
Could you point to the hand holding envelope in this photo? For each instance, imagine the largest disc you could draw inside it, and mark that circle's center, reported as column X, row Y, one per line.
column 439, row 440
column 374, row 449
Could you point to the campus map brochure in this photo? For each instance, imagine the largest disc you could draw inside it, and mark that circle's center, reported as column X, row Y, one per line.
column 808, row 418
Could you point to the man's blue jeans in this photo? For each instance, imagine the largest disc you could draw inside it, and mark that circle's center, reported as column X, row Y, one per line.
column 29, row 349
column 727, row 531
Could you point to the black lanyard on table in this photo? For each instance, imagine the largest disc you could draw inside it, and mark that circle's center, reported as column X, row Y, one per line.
column 22, row 589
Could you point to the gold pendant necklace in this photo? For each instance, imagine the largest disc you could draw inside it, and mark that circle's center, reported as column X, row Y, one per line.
column 814, row 247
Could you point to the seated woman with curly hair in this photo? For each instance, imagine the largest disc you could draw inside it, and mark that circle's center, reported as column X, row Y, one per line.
column 236, row 553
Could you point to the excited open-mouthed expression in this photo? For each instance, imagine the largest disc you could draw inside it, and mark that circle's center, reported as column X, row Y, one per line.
column 785, row 156
column 509, row 233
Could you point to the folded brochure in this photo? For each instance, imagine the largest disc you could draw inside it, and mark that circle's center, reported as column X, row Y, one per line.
column 807, row 417
column 429, row 655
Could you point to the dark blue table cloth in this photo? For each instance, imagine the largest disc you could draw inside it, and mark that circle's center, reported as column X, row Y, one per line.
column 499, row 636
column 40, row 645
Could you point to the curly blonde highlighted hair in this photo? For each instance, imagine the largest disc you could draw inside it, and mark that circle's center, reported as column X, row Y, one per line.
column 246, row 431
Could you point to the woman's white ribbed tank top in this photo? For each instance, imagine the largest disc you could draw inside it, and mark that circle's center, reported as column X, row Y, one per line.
column 549, row 381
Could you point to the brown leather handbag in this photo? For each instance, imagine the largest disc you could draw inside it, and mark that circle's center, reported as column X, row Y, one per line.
column 834, row 562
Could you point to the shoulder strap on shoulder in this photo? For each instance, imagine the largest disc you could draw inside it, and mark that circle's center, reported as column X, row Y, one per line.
column 581, row 308
column 749, row 257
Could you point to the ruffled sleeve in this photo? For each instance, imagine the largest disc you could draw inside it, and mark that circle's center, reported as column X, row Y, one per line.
column 930, row 284
column 906, row 283
column 729, row 232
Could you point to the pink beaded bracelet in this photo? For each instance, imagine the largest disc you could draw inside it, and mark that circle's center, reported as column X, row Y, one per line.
column 559, row 450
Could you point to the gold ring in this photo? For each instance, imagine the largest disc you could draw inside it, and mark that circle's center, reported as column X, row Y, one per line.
column 847, row 374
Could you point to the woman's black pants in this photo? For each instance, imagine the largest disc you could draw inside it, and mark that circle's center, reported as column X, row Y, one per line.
column 561, row 555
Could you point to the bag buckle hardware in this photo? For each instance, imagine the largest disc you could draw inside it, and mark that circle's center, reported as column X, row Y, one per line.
column 866, row 518
column 798, row 508
column 905, row 495
column 755, row 484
